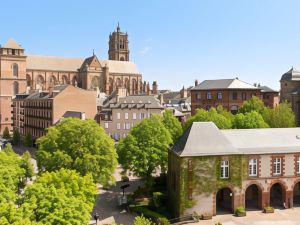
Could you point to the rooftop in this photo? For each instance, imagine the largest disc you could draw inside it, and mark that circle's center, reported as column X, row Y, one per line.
column 204, row 139
column 292, row 74
column 224, row 84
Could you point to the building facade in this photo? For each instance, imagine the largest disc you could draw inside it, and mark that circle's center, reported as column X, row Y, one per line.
column 252, row 168
column 122, row 112
column 290, row 91
column 269, row 96
column 20, row 72
column 33, row 113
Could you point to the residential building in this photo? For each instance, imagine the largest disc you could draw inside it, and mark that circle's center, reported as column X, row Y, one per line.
column 36, row 111
column 290, row 90
column 122, row 112
column 20, row 72
column 269, row 96
column 228, row 93
column 212, row 171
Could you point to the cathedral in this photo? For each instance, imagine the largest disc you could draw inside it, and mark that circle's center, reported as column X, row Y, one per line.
column 20, row 72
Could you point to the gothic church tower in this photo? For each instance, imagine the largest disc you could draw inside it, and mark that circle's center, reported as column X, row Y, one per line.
column 118, row 46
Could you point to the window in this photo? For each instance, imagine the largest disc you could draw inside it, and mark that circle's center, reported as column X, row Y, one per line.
column 126, row 116
column 15, row 70
column 142, row 115
column 106, row 125
column 277, row 166
column 127, row 126
column 225, row 169
column 253, row 167
column 219, row 95
column 234, row 96
column 298, row 164
column 208, row 95
column 244, row 96
column 118, row 116
column 198, row 96
column 118, row 126
column 134, row 116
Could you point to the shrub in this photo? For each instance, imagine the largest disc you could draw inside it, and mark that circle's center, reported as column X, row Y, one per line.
column 240, row 209
column 159, row 199
column 163, row 221
column 124, row 178
column 141, row 220
column 144, row 210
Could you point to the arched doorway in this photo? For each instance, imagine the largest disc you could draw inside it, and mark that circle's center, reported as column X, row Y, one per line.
column 253, row 197
column 296, row 195
column 277, row 196
column 224, row 201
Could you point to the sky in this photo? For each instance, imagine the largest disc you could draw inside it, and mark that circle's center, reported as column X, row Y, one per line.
column 171, row 41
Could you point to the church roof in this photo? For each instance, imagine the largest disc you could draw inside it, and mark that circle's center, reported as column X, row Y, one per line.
column 224, row 84
column 57, row 63
column 11, row 43
column 292, row 74
column 204, row 139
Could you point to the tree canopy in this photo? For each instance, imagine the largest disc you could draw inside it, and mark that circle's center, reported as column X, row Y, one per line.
column 145, row 148
column 253, row 104
column 249, row 120
column 6, row 133
column 213, row 115
column 172, row 124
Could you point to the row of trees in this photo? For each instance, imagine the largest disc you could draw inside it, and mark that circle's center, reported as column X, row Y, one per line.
column 16, row 137
column 253, row 114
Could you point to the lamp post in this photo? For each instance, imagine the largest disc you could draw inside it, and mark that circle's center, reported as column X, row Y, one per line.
column 96, row 217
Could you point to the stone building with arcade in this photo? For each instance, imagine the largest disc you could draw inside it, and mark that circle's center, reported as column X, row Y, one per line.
column 21, row 73
column 212, row 171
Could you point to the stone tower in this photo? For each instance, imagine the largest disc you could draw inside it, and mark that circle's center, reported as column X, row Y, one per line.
column 12, row 79
column 118, row 46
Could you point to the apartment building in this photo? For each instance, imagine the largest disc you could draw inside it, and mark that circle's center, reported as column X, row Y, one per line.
column 36, row 111
column 119, row 114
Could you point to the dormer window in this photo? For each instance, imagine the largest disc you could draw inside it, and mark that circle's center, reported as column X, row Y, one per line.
column 15, row 70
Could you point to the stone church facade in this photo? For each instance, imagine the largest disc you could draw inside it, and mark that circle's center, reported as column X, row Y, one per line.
column 20, row 72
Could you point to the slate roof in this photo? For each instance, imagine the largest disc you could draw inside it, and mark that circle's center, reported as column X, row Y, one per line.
column 135, row 101
column 45, row 94
column 224, row 84
column 72, row 114
column 267, row 89
column 204, row 138
column 292, row 74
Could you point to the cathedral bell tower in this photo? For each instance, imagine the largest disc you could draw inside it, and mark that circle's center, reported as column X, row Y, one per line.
column 118, row 46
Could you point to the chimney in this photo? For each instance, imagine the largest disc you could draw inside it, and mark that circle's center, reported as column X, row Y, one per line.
column 148, row 89
column 183, row 93
column 154, row 88
column 161, row 99
column 196, row 82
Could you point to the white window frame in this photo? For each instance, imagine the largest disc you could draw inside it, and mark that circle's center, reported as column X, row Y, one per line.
column 219, row 95
column 118, row 116
column 208, row 95
column 142, row 117
column 225, row 169
column 106, row 125
column 134, row 116
column 118, row 126
column 126, row 116
column 253, row 167
column 198, row 96
column 127, row 126
column 298, row 164
column 277, row 166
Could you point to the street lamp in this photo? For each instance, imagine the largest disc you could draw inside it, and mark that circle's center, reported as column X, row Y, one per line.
column 96, row 217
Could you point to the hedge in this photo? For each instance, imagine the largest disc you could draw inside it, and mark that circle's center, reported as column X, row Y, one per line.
column 144, row 210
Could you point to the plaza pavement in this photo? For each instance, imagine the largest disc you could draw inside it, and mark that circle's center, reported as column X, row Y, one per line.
column 279, row 217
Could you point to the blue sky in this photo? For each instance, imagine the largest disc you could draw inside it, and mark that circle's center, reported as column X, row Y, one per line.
column 173, row 42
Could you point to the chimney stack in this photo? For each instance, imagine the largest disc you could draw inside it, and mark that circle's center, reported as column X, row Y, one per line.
column 183, row 93
column 148, row 88
column 154, row 88
column 161, row 99
column 196, row 82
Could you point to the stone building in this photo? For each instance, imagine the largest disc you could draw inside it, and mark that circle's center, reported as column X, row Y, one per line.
column 121, row 112
column 20, row 72
column 34, row 112
column 290, row 90
column 229, row 93
column 253, row 168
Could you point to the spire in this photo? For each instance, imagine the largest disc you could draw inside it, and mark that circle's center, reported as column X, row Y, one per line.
column 118, row 27
column 93, row 51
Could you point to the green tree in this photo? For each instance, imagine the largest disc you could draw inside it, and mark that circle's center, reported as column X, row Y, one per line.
column 212, row 115
column 228, row 115
column 253, row 104
column 28, row 140
column 6, row 133
column 16, row 137
column 141, row 220
column 172, row 124
column 249, row 120
column 281, row 116
column 27, row 165
column 145, row 148
column 81, row 145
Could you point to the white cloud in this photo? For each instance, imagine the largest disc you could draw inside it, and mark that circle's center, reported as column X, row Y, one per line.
column 145, row 50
